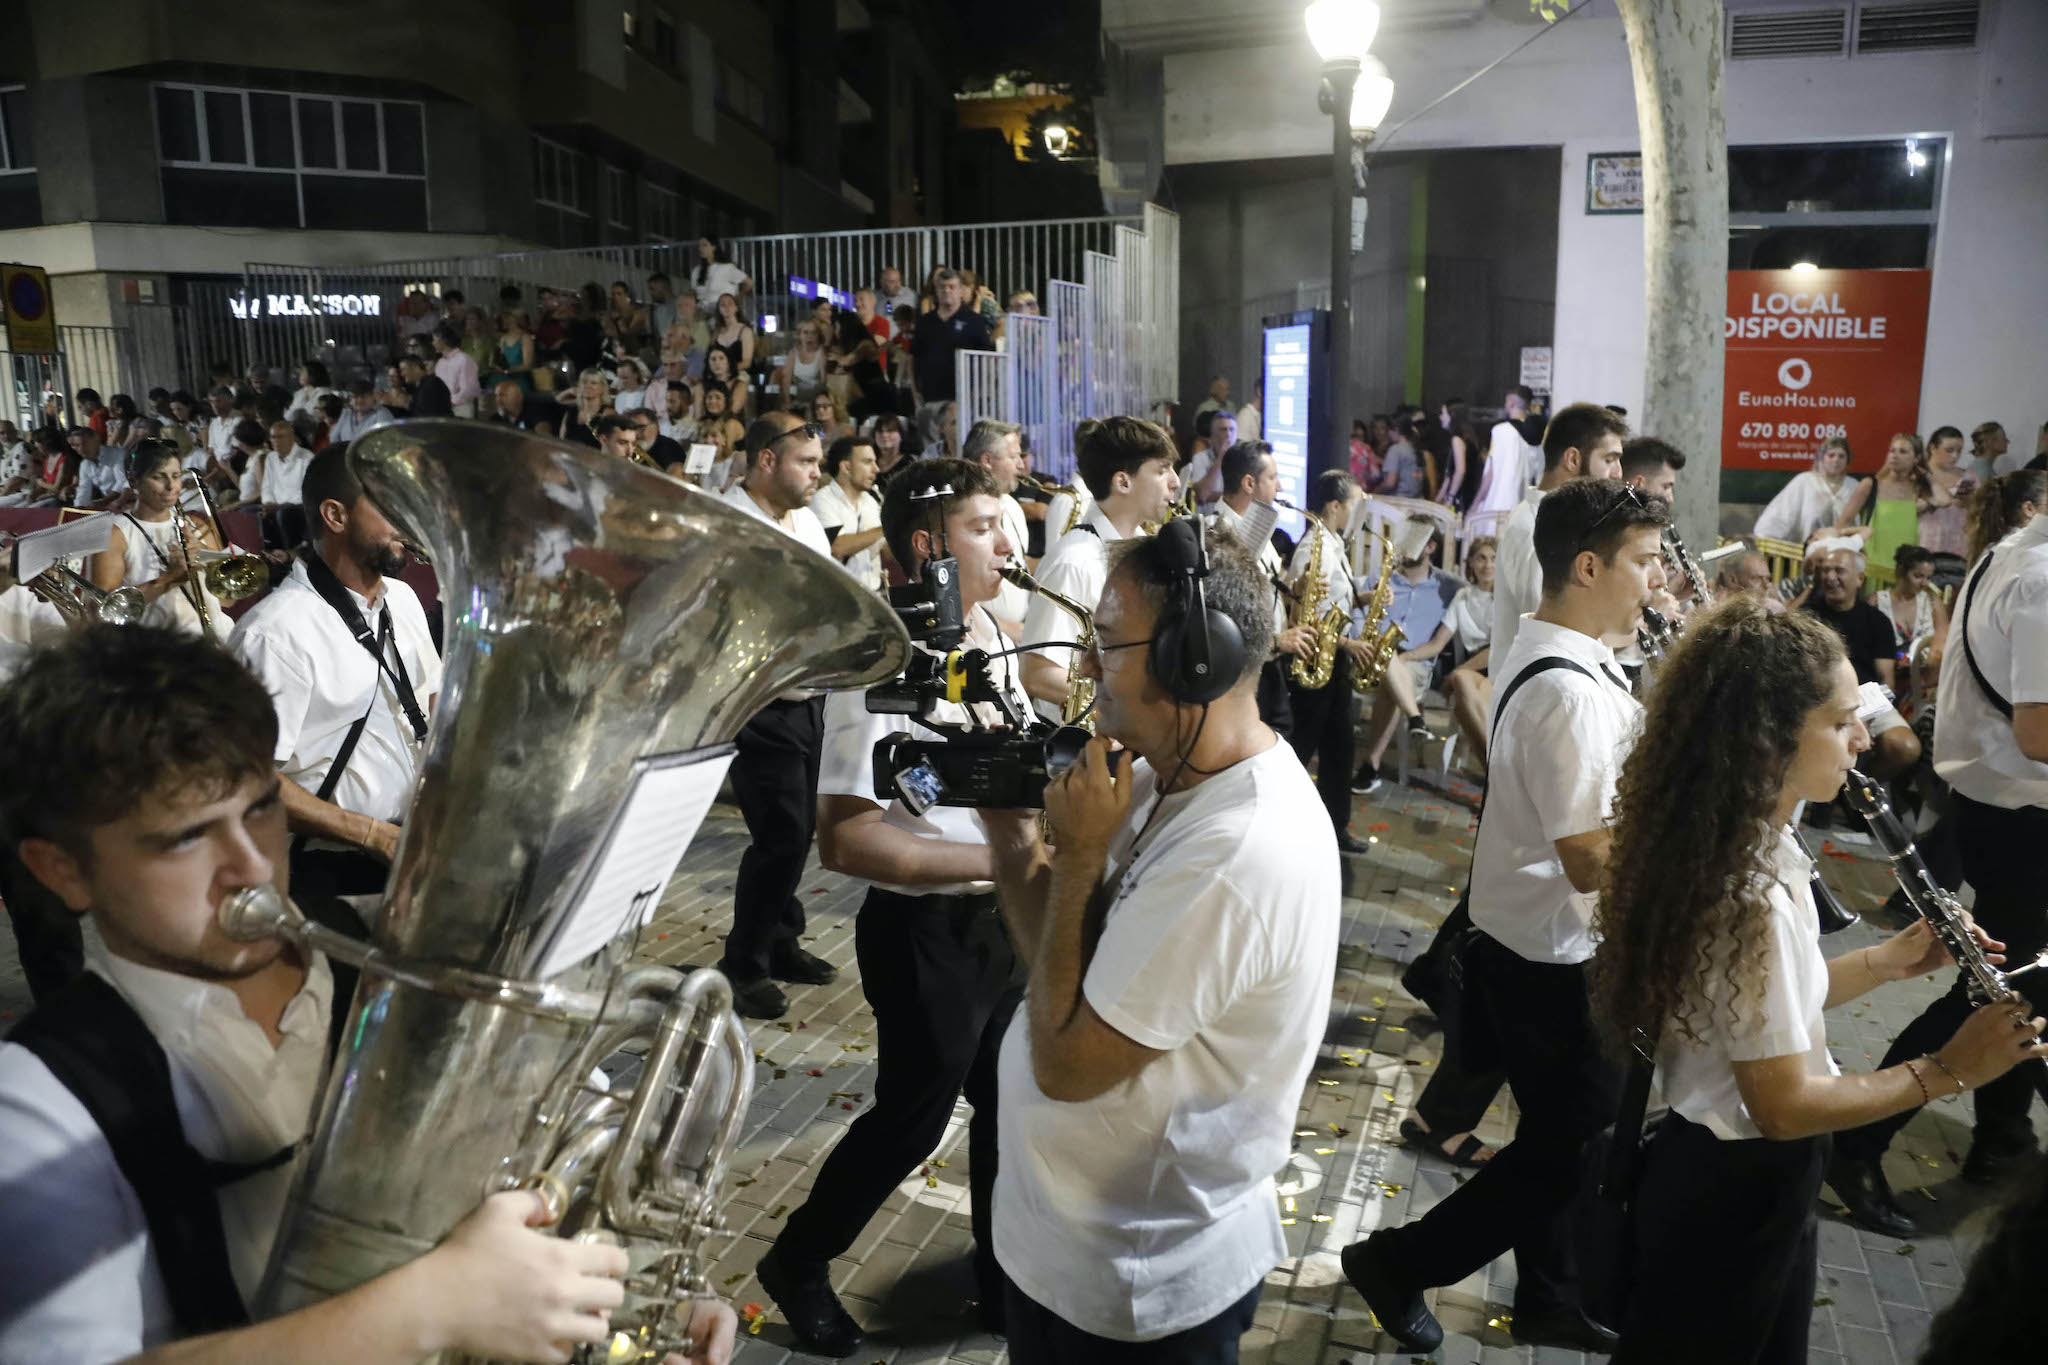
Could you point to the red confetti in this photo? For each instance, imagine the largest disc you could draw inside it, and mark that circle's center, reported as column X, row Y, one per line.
column 661, row 935
column 846, row 1105
column 814, row 1072
column 1379, row 828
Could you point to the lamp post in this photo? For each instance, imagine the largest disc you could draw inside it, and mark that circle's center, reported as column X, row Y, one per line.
column 1355, row 92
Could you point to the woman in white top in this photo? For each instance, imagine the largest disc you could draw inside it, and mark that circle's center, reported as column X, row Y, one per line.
column 1470, row 686
column 802, row 371
column 716, row 274
column 1710, row 944
column 143, row 551
column 1817, row 499
column 1910, row 601
column 313, row 382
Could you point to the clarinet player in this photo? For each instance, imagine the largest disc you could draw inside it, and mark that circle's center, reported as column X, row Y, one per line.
column 1724, row 1229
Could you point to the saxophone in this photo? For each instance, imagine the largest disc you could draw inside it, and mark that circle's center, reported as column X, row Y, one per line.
column 1311, row 608
column 609, row 618
column 1385, row 643
column 1079, row 708
column 1076, row 500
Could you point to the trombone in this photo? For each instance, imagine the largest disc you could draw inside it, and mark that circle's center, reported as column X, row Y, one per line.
column 229, row 574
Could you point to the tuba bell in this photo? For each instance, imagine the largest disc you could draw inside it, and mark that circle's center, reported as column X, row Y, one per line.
column 598, row 616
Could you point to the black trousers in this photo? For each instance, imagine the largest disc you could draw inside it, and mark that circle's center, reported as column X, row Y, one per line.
column 775, row 782
column 1038, row 1336
column 2000, row 852
column 942, row 980
column 48, row 935
column 1274, row 708
column 1456, row 1097
column 1537, row 1016
column 1322, row 732
column 337, row 872
column 1725, row 1238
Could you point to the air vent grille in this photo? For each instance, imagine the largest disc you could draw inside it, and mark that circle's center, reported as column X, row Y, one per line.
column 1917, row 28
column 1788, row 33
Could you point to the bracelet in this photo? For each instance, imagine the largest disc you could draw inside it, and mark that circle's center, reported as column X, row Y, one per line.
column 1874, row 977
column 1925, row 1098
column 1936, row 1059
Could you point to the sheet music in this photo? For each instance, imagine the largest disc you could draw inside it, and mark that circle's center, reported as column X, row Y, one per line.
column 626, row 875
column 38, row 550
column 698, row 461
column 1255, row 527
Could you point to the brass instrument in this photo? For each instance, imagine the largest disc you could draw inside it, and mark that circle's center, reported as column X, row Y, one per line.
column 608, row 616
column 1385, row 643
column 81, row 601
column 230, row 575
column 1309, row 608
column 1079, row 708
column 1184, row 507
column 1079, row 500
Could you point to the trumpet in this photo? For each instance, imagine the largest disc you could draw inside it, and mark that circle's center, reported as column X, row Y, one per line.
column 1080, row 704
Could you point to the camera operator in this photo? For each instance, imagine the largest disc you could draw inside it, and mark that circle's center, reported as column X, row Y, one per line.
column 1181, row 937
column 935, row 964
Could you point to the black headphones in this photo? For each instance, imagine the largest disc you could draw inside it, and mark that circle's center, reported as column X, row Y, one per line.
column 1197, row 652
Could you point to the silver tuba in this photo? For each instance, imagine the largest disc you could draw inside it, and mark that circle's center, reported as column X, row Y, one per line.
column 597, row 614
column 81, row 601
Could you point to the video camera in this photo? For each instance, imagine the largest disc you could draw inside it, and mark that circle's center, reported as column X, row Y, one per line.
column 968, row 765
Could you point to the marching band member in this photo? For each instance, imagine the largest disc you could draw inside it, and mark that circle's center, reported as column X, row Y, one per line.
column 150, row 1112
column 1709, row 944
column 1562, row 718
column 1322, row 715
column 1251, row 475
column 935, row 964
column 1181, row 938
column 1126, row 463
column 1583, row 441
column 144, row 552
column 998, row 447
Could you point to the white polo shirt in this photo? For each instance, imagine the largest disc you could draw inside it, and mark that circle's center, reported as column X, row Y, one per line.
column 832, row 507
column 2007, row 616
column 1076, row 566
column 1517, row 577
column 1556, row 753
column 79, row 1278
column 321, row 681
column 1784, row 1020
column 852, row 731
column 1151, row 1207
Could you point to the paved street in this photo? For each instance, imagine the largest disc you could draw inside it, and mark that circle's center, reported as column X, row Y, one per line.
column 906, row 1279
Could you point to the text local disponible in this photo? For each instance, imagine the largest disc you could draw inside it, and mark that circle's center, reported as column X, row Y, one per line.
column 1802, row 317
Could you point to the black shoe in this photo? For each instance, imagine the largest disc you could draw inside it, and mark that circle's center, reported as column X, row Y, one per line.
column 788, row 962
column 1860, row 1184
column 1418, row 729
column 1561, row 1327
column 1347, row 844
column 1401, row 1312
column 1993, row 1161
column 759, row 999
column 820, row 1322
column 1366, row 780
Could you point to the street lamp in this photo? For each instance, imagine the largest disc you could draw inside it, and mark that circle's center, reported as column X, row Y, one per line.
column 1356, row 92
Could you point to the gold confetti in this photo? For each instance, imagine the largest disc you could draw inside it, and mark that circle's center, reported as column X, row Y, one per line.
column 1290, row 1204
column 931, row 1182
column 1906, row 1250
column 1326, row 1151
column 1286, row 1222
column 1319, row 1218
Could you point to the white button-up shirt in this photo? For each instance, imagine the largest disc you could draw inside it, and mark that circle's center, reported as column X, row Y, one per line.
column 850, row 516
column 1517, row 577
column 803, row 527
column 1076, row 566
column 1339, row 588
column 1012, row 602
column 1229, row 520
column 322, row 680
column 220, row 435
column 2007, row 617
column 1556, row 753
column 457, row 370
column 1803, row 506
column 272, row 479
column 1783, row 1020
column 79, row 1278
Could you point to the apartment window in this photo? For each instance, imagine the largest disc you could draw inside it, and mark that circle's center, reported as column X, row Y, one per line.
column 663, row 211
column 559, row 180
column 618, row 199
column 661, row 37
column 17, row 142
column 271, row 158
column 745, row 98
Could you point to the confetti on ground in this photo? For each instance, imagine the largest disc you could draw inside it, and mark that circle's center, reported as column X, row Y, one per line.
column 753, row 1314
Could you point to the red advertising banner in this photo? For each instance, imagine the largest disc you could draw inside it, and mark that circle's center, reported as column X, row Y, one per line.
column 1820, row 353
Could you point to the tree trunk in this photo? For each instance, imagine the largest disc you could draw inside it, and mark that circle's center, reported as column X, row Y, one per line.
column 1674, row 47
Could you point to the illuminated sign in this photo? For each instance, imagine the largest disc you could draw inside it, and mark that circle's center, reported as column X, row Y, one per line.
column 305, row 305
column 817, row 289
column 1287, row 353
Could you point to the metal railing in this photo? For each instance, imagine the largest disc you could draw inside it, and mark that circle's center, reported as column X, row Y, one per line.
column 1029, row 366
column 1069, row 336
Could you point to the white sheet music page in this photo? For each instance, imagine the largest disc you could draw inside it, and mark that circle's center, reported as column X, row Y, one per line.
column 1255, row 527
column 624, row 880
column 38, row 550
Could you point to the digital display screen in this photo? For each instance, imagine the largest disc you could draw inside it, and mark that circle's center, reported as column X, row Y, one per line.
column 1286, row 367
column 920, row 787
column 817, row 289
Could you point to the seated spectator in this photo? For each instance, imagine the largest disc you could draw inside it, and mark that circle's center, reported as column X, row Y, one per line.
column 1910, row 603
column 92, row 412
column 678, row 423
column 718, row 428
column 889, row 453
column 1749, row 572
column 1420, row 607
column 17, row 467
column 1470, row 684
column 647, row 438
column 632, row 391
column 329, row 411
column 122, row 417
column 593, row 400
column 364, row 413
column 244, row 466
column 515, row 407
column 1815, row 500
column 687, row 338
column 719, row 374
column 1837, row 599
column 732, row 336
column 627, row 322
column 428, row 393
column 826, row 417
column 274, row 475
column 57, row 478
column 101, row 475
column 800, row 375
column 661, row 304
column 313, row 384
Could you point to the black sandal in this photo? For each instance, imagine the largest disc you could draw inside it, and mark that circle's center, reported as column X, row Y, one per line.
column 1413, row 1134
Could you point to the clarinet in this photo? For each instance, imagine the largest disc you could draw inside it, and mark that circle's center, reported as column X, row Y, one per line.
column 1653, row 636
column 1688, row 567
column 1944, row 914
column 1827, row 906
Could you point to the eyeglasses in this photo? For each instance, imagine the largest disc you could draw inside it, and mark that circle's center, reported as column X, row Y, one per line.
column 1628, row 497
column 1099, row 649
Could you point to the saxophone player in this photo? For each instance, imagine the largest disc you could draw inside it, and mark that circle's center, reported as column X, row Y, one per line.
column 1251, row 475
column 1322, row 715
column 157, row 796
column 1126, row 464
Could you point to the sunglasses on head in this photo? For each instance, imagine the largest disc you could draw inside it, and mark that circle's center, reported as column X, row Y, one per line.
column 1628, row 497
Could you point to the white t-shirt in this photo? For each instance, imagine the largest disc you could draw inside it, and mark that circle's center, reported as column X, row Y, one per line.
column 846, row 767
column 1803, row 506
column 723, row 277
column 281, row 476
column 79, row 1277
column 1698, row 1078
column 1517, row 577
column 322, row 680
column 1471, row 619
column 1076, row 567
column 1151, row 1208
column 220, row 435
column 1974, row 748
column 833, row 508
column 803, row 525
column 1550, row 774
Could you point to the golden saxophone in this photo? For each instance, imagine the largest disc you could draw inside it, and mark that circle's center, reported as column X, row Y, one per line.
column 1079, row 708
column 1077, row 500
column 1311, row 607
column 1385, row 643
